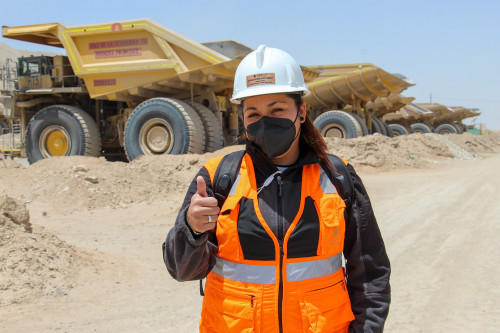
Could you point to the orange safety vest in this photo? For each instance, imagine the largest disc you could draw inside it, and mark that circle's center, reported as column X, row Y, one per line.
column 308, row 291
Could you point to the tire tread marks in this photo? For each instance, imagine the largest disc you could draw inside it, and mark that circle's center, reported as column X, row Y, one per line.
column 335, row 116
column 91, row 135
column 196, row 131
column 214, row 139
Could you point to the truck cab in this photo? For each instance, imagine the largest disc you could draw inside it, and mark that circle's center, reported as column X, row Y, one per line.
column 45, row 72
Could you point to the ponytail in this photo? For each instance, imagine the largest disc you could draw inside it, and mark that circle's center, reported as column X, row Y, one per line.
column 310, row 135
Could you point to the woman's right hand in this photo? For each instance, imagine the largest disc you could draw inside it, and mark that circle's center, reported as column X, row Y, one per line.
column 203, row 211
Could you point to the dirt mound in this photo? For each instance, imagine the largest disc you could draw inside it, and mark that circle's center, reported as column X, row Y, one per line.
column 33, row 262
column 415, row 150
column 78, row 183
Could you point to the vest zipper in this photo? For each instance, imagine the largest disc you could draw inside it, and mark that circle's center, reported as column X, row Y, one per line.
column 280, row 295
column 280, row 182
column 251, row 300
column 280, row 241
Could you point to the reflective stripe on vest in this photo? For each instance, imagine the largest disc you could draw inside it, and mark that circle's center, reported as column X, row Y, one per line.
column 326, row 183
column 300, row 271
column 235, row 185
column 261, row 274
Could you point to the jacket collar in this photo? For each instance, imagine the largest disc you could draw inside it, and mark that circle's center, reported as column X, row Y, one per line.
column 264, row 167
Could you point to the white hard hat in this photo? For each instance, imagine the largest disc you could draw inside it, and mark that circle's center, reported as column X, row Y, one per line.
column 268, row 70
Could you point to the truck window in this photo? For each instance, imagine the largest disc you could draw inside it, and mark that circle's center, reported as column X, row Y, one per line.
column 26, row 68
column 34, row 68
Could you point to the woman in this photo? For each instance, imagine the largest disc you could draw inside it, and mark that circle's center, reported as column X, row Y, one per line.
column 272, row 254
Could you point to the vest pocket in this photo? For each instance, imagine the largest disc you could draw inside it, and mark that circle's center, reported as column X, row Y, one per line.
column 327, row 309
column 331, row 207
column 228, row 311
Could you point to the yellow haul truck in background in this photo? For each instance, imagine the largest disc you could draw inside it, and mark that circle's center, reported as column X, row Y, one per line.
column 133, row 87
column 348, row 101
column 429, row 118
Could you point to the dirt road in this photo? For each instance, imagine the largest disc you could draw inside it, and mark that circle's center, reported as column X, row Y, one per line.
column 440, row 227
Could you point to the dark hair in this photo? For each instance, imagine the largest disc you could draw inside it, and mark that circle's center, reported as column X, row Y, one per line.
column 310, row 135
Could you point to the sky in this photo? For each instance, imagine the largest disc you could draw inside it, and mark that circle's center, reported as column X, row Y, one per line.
column 449, row 49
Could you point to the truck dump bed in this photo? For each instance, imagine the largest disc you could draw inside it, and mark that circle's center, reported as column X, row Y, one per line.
column 449, row 114
column 346, row 86
column 411, row 112
column 432, row 113
column 134, row 60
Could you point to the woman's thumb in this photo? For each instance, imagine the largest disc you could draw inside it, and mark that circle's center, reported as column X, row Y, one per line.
column 201, row 186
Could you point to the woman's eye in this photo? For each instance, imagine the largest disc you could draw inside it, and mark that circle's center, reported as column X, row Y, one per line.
column 278, row 110
column 252, row 115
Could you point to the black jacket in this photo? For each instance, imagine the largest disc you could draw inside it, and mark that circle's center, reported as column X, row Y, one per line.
column 190, row 257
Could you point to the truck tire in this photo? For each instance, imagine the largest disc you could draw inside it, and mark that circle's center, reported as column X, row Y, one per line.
column 214, row 136
column 446, row 129
column 388, row 130
column 163, row 126
column 420, row 128
column 398, row 130
column 361, row 122
column 61, row 130
column 337, row 124
column 357, row 124
column 4, row 128
column 459, row 127
column 377, row 126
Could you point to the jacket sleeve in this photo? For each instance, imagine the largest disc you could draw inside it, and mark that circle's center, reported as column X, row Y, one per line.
column 187, row 256
column 367, row 264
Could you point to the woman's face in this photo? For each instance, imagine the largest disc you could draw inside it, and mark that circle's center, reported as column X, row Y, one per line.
column 272, row 105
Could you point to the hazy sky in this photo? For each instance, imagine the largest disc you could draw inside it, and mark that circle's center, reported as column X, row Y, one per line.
column 450, row 49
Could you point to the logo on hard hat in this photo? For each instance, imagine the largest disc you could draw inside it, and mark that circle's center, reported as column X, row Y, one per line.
column 259, row 79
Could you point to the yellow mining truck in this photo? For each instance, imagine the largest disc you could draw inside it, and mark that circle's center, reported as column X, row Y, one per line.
column 130, row 87
column 348, row 101
column 133, row 88
column 429, row 118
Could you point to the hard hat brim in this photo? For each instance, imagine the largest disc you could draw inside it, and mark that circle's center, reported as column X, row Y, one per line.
column 267, row 90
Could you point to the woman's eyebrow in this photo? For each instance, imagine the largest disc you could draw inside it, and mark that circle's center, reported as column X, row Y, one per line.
column 271, row 104
column 250, row 108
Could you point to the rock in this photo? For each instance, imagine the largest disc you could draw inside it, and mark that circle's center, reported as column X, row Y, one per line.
column 80, row 168
column 92, row 179
column 13, row 211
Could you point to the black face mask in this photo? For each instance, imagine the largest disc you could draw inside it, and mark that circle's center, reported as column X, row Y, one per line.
column 274, row 136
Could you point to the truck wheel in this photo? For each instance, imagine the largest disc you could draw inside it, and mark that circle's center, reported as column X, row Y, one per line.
column 420, row 128
column 459, row 127
column 357, row 124
column 388, row 130
column 163, row 126
column 398, row 130
column 446, row 129
column 377, row 126
column 336, row 124
column 4, row 128
column 362, row 123
column 214, row 136
column 61, row 130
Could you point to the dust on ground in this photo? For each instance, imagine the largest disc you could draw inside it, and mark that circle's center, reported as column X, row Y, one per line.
column 71, row 226
column 33, row 261
column 68, row 184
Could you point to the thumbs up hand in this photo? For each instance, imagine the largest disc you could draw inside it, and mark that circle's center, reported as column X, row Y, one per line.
column 203, row 211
